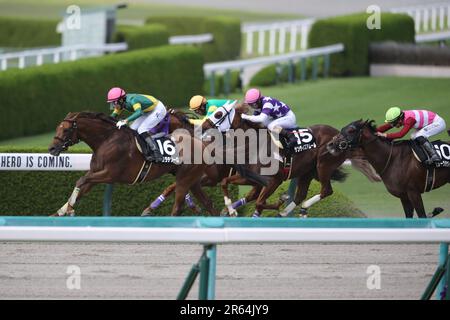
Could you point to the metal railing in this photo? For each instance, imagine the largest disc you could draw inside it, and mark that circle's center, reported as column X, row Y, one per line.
column 428, row 17
column 433, row 37
column 211, row 69
column 57, row 54
column 213, row 231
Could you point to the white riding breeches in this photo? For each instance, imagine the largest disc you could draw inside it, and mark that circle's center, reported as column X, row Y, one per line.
column 149, row 120
column 437, row 126
column 286, row 122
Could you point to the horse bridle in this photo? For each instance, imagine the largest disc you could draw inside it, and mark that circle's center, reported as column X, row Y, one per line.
column 69, row 140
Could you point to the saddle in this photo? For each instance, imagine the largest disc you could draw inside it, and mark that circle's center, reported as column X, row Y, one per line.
column 442, row 148
column 299, row 140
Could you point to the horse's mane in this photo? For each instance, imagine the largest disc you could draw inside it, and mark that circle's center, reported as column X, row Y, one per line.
column 91, row 115
column 371, row 125
column 182, row 116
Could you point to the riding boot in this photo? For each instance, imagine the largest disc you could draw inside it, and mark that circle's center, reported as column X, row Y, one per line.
column 288, row 137
column 429, row 149
column 152, row 152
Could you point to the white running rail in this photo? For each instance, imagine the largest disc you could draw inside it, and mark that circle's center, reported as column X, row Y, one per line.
column 192, row 39
column 57, row 54
column 428, row 17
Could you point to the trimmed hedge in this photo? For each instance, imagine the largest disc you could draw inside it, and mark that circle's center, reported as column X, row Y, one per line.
column 226, row 31
column 235, row 84
column 335, row 206
column 278, row 73
column 352, row 31
column 51, row 91
column 391, row 52
column 43, row 193
column 152, row 35
column 26, row 33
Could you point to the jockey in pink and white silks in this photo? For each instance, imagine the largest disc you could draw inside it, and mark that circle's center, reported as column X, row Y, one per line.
column 426, row 123
column 272, row 113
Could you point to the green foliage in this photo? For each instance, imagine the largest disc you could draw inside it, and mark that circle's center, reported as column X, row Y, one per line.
column 226, row 31
column 235, row 84
column 334, row 206
column 279, row 73
column 352, row 31
column 140, row 37
column 43, row 193
column 169, row 73
column 26, row 33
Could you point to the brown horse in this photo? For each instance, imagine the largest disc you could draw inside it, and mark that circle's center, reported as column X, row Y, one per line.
column 316, row 163
column 214, row 173
column 311, row 164
column 403, row 175
column 116, row 159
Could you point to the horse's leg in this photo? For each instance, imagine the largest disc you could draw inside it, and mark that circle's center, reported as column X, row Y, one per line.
column 197, row 191
column 180, row 193
column 416, row 200
column 264, row 195
column 324, row 177
column 407, row 206
column 159, row 200
column 236, row 180
column 300, row 195
column 82, row 186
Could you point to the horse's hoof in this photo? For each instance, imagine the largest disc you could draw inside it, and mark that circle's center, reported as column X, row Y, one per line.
column 147, row 212
column 303, row 213
column 284, row 197
column 436, row 211
column 224, row 212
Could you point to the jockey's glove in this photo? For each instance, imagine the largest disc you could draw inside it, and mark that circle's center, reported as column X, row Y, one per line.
column 121, row 123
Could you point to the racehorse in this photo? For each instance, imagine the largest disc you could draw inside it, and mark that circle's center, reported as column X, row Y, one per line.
column 214, row 173
column 403, row 175
column 117, row 159
column 307, row 165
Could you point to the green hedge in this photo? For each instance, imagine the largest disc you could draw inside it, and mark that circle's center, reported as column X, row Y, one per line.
column 152, row 35
column 226, row 31
column 235, row 84
column 26, row 33
column 335, row 206
column 38, row 98
column 43, row 193
column 278, row 73
column 352, row 31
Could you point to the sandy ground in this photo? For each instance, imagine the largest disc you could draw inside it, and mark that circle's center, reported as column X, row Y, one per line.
column 269, row 271
column 310, row 8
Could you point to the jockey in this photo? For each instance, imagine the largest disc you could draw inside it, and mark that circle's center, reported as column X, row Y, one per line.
column 204, row 107
column 147, row 113
column 274, row 114
column 425, row 122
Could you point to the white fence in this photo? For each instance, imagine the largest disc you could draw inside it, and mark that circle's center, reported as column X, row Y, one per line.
column 211, row 69
column 194, row 39
column 56, row 54
column 256, row 35
column 428, row 17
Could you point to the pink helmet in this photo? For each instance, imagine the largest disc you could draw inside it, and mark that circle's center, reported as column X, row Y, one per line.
column 252, row 95
column 115, row 94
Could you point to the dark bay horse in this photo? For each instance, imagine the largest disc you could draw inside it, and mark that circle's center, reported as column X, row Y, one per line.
column 116, row 159
column 403, row 175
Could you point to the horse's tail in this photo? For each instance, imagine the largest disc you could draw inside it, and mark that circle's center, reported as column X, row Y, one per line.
column 251, row 176
column 366, row 169
column 339, row 175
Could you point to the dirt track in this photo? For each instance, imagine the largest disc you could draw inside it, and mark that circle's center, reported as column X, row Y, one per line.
column 151, row 271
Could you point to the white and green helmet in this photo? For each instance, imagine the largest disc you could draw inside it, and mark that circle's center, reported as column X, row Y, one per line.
column 393, row 114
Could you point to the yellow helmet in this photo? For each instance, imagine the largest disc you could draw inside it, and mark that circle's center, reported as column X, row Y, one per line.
column 196, row 102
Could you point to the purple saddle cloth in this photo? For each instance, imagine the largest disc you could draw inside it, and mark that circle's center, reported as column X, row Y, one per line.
column 163, row 126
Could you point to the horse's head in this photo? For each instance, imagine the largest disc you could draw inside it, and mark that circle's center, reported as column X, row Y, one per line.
column 224, row 118
column 351, row 136
column 66, row 135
